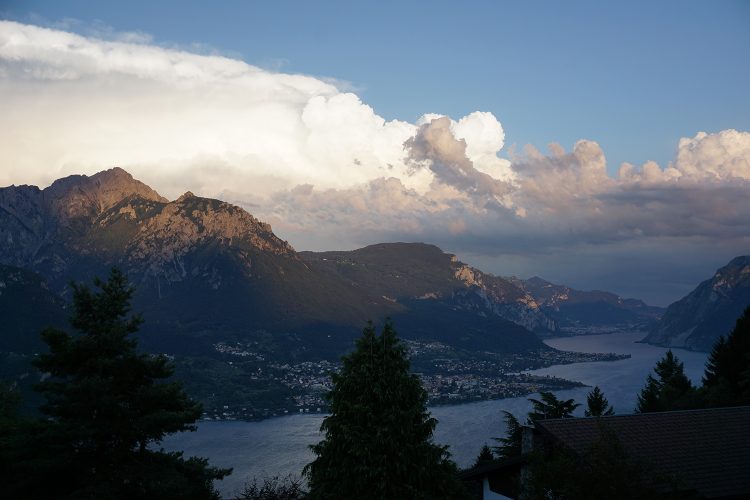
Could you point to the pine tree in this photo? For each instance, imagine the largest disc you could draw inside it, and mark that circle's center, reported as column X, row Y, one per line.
column 551, row 407
column 597, row 404
column 378, row 438
column 485, row 456
column 725, row 379
column 510, row 445
column 546, row 407
column 670, row 390
column 108, row 405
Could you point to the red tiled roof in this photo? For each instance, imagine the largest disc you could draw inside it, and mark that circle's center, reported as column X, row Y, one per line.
column 707, row 449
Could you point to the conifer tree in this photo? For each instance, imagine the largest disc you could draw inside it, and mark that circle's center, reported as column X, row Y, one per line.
column 510, row 445
column 597, row 404
column 378, row 438
column 669, row 390
column 548, row 406
column 485, row 456
column 551, row 407
column 725, row 381
column 107, row 406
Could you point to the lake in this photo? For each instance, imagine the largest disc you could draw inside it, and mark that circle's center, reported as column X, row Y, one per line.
column 279, row 446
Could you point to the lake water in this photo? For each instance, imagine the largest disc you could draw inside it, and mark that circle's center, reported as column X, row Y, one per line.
column 279, row 446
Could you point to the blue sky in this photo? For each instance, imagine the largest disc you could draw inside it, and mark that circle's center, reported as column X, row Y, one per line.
column 634, row 76
column 345, row 124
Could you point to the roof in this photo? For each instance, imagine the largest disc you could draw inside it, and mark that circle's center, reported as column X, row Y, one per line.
column 708, row 449
column 493, row 467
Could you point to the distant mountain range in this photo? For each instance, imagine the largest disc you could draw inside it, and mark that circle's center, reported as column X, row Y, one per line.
column 697, row 320
column 595, row 311
column 208, row 271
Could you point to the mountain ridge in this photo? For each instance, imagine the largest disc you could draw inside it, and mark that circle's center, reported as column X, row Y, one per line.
column 202, row 265
column 697, row 320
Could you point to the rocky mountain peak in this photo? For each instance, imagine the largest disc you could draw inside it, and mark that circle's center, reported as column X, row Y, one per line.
column 186, row 196
column 111, row 218
column 78, row 196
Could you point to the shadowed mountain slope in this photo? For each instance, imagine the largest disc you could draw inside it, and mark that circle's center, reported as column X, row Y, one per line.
column 697, row 320
column 206, row 270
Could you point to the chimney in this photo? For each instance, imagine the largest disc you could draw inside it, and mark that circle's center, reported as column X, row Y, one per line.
column 527, row 439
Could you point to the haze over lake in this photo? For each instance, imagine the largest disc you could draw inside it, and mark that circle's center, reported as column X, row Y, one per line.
column 279, row 446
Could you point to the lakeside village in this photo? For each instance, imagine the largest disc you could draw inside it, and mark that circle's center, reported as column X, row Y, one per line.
column 449, row 376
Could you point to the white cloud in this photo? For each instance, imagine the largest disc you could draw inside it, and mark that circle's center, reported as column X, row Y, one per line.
column 329, row 172
column 76, row 104
column 720, row 156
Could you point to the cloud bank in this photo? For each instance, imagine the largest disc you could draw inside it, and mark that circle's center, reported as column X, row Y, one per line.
column 328, row 172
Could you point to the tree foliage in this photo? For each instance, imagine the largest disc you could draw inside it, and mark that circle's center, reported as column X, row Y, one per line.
column 597, row 405
column 378, row 438
column 107, row 406
column 669, row 390
column 510, row 445
column 726, row 380
column 548, row 406
column 273, row 488
column 485, row 456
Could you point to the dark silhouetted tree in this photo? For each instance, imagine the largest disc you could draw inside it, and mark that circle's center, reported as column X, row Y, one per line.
column 107, row 406
column 378, row 438
column 669, row 390
column 273, row 488
column 548, row 406
column 485, row 456
column 510, row 445
column 726, row 381
column 597, row 405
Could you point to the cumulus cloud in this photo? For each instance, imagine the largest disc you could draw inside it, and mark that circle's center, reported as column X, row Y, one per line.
column 328, row 172
column 436, row 146
column 713, row 158
column 77, row 104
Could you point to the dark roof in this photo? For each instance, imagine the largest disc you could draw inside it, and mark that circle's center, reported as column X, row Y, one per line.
column 502, row 464
column 707, row 449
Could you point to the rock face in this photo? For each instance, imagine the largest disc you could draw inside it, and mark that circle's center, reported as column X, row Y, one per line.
column 697, row 320
column 111, row 218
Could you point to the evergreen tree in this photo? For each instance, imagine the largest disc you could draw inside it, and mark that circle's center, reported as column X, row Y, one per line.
column 725, row 379
column 273, row 488
column 551, row 407
column 546, row 407
column 107, row 406
column 510, row 445
column 485, row 456
column 669, row 390
column 378, row 438
column 597, row 404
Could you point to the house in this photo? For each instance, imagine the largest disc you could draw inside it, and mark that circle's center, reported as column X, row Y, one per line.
column 496, row 480
column 707, row 451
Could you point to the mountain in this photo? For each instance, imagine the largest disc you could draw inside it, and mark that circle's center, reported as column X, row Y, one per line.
column 410, row 273
column 207, row 271
column 697, row 320
column 577, row 311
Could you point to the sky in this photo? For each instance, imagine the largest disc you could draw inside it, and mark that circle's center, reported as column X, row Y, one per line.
column 600, row 145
